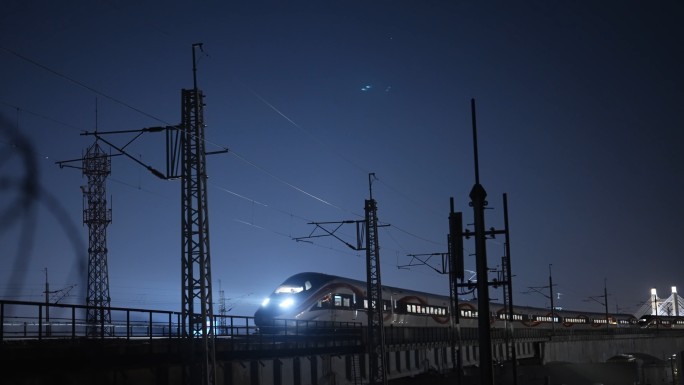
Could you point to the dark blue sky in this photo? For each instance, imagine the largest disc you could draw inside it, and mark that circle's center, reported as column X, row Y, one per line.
column 579, row 111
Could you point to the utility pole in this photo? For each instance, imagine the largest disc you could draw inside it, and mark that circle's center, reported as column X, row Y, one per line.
column 604, row 302
column 376, row 329
column 456, row 273
column 55, row 299
column 186, row 160
column 478, row 197
column 538, row 290
column 508, row 296
column 553, row 308
column 375, row 344
column 452, row 264
column 196, row 293
column 47, row 304
column 478, row 202
column 605, row 299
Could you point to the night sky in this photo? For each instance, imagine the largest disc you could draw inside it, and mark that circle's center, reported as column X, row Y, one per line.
column 579, row 114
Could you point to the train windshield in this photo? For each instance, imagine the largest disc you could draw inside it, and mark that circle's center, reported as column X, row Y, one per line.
column 292, row 289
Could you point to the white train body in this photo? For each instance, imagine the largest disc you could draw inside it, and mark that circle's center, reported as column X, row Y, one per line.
column 323, row 297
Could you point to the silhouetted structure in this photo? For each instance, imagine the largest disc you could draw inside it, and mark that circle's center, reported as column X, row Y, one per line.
column 96, row 215
column 376, row 330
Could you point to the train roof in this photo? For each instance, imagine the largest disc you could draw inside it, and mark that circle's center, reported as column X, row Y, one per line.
column 317, row 279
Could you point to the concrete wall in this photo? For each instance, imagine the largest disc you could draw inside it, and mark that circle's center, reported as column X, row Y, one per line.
column 337, row 370
column 589, row 351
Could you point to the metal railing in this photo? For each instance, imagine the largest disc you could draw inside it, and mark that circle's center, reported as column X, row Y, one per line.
column 38, row 321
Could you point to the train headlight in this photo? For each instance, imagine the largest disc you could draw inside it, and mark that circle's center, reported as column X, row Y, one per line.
column 266, row 301
column 288, row 302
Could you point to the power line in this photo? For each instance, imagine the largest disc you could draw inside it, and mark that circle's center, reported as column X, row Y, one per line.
column 81, row 84
column 53, row 120
column 242, row 158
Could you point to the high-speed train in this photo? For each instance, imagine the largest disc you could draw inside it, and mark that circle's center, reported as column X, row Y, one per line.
column 323, row 297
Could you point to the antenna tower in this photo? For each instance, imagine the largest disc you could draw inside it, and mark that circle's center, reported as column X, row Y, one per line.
column 222, row 310
column 96, row 215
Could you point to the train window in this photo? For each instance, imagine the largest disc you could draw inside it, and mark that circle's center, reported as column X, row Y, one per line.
column 336, row 300
column 574, row 320
column 325, row 302
column 288, row 289
column 506, row 316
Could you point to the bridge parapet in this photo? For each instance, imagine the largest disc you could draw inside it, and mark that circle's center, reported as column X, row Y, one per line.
column 601, row 347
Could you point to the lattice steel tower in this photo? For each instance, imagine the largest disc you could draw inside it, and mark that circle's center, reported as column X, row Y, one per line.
column 197, row 301
column 97, row 167
column 376, row 329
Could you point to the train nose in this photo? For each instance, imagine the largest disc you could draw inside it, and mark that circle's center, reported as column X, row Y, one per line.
column 263, row 315
column 265, row 320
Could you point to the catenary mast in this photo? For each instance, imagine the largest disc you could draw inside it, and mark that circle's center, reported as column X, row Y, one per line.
column 376, row 329
column 197, row 301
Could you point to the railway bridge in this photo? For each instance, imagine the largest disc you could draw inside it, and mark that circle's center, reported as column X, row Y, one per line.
column 54, row 345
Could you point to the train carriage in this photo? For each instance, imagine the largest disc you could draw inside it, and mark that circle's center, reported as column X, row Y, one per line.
column 318, row 297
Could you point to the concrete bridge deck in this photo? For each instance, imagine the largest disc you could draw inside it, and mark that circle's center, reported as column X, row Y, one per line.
column 148, row 349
